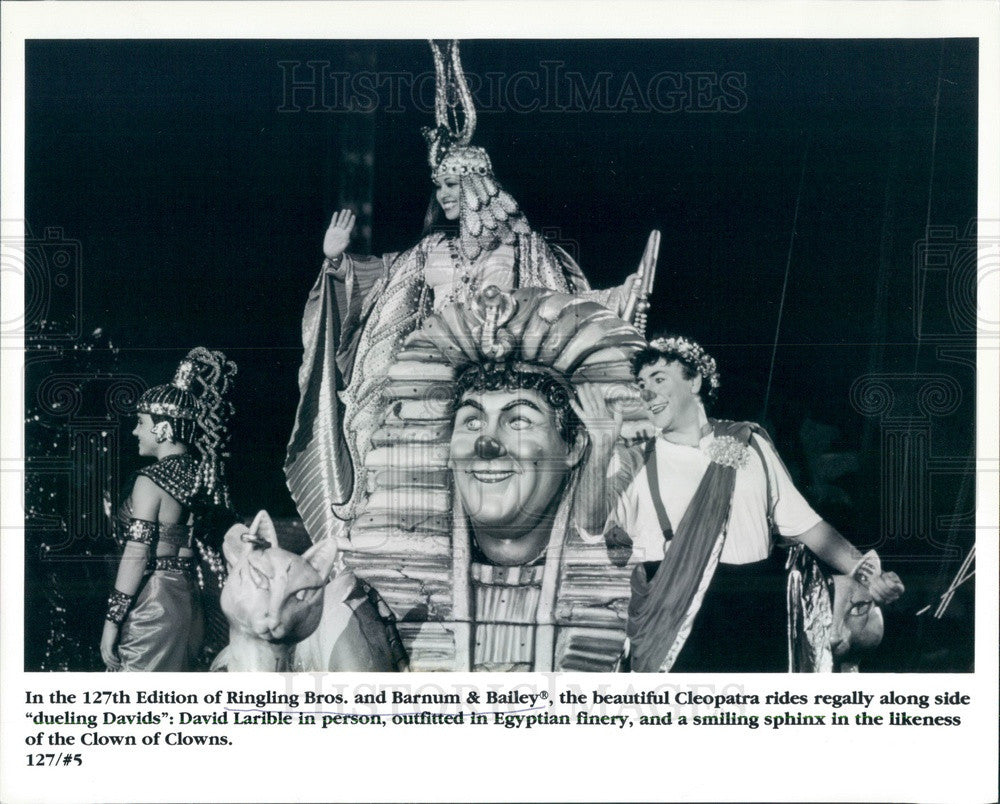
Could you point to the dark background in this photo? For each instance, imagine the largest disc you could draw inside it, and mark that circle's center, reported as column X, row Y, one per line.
column 199, row 191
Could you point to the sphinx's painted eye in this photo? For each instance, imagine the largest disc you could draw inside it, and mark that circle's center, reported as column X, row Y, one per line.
column 301, row 594
column 260, row 580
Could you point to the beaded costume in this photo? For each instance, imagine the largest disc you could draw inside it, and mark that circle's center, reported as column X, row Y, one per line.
column 164, row 628
column 162, row 625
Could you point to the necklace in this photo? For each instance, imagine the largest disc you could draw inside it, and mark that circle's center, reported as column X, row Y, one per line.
column 465, row 284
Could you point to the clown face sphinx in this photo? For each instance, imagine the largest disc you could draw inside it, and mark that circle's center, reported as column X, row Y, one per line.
column 511, row 462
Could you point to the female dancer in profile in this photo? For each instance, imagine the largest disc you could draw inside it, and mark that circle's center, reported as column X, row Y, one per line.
column 154, row 619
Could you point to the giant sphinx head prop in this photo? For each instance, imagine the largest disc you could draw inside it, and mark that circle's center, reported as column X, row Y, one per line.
column 509, row 363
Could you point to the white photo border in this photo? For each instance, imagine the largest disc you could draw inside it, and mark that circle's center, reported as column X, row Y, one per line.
column 880, row 764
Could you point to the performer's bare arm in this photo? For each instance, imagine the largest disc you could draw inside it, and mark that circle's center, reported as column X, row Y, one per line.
column 146, row 497
column 604, row 425
column 826, row 543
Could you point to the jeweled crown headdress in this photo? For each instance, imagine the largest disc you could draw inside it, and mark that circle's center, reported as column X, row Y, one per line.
column 173, row 399
column 489, row 216
column 464, row 160
column 194, row 403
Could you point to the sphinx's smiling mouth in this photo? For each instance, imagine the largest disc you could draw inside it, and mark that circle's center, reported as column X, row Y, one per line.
column 491, row 475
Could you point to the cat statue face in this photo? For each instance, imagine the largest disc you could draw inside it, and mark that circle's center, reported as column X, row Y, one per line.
column 272, row 598
column 833, row 619
column 857, row 622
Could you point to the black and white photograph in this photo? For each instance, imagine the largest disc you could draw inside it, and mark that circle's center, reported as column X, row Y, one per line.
column 617, row 354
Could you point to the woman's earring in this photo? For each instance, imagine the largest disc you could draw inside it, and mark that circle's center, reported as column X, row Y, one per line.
column 163, row 432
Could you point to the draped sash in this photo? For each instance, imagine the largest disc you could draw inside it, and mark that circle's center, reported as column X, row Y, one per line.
column 660, row 610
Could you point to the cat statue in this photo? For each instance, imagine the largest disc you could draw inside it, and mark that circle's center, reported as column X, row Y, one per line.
column 858, row 625
column 292, row 613
column 833, row 621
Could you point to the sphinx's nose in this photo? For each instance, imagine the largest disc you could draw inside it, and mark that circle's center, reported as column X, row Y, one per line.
column 489, row 448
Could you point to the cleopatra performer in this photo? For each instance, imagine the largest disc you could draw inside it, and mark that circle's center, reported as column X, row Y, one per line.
column 154, row 620
column 701, row 505
column 361, row 308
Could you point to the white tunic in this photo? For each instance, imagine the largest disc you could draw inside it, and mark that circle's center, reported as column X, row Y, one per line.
column 680, row 469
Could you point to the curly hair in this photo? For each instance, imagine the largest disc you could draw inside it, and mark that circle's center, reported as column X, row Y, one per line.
column 510, row 377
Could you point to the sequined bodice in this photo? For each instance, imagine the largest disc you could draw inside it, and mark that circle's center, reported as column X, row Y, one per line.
column 453, row 279
column 176, row 475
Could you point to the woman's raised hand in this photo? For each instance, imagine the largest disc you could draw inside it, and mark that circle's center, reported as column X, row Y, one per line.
column 339, row 234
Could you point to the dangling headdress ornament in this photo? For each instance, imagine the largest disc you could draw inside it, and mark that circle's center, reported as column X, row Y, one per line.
column 194, row 403
column 693, row 355
column 489, row 215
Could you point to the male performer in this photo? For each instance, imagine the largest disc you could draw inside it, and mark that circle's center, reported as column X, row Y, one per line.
column 701, row 505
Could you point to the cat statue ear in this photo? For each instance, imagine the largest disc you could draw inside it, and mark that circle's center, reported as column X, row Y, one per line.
column 263, row 527
column 240, row 540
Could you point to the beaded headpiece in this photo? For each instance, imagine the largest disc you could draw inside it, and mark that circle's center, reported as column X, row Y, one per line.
column 193, row 402
column 464, row 160
column 489, row 216
column 691, row 354
column 174, row 401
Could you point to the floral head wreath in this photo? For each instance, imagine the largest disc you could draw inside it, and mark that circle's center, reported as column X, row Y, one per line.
column 199, row 414
column 691, row 354
column 489, row 214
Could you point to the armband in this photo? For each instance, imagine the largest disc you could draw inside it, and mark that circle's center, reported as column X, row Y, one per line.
column 118, row 605
column 141, row 531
